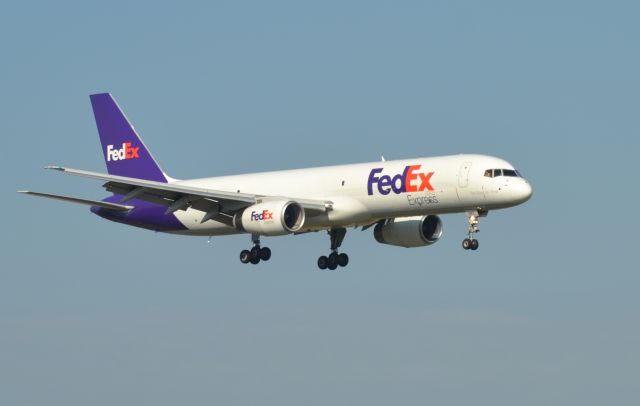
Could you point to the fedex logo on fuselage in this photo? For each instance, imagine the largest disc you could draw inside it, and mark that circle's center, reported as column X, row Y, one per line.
column 410, row 180
column 261, row 215
column 126, row 152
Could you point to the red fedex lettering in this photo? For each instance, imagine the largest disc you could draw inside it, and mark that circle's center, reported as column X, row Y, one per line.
column 425, row 179
column 411, row 177
column 130, row 152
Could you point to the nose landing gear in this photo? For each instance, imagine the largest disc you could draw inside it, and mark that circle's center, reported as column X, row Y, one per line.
column 335, row 259
column 256, row 254
column 470, row 243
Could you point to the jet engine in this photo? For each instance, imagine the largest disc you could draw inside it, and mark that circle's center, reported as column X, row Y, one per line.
column 277, row 217
column 409, row 231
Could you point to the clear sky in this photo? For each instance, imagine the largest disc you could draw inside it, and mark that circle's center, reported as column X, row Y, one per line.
column 546, row 312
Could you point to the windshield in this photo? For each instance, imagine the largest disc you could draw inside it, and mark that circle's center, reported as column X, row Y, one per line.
column 494, row 173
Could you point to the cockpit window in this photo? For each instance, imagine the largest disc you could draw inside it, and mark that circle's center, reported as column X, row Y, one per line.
column 493, row 173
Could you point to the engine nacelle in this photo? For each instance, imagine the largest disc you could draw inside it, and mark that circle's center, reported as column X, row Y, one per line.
column 277, row 217
column 409, row 231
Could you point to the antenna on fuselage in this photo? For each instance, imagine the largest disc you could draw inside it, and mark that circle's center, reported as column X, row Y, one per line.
column 382, row 158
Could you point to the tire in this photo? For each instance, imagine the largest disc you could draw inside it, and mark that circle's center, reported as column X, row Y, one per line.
column 255, row 252
column 245, row 256
column 466, row 243
column 332, row 261
column 265, row 253
column 474, row 244
column 323, row 262
column 343, row 259
column 255, row 260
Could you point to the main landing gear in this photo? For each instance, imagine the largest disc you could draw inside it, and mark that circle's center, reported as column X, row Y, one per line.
column 256, row 254
column 471, row 243
column 334, row 260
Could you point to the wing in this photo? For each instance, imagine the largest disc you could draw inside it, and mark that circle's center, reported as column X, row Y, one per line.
column 217, row 204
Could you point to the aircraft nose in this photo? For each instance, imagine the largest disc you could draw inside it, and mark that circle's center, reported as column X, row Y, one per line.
column 525, row 191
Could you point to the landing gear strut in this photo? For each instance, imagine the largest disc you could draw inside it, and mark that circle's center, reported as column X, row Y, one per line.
column 470, row 243
column 256, row 254
column 334, row 260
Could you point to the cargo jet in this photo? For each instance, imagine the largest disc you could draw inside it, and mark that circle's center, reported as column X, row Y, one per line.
column 401, row 200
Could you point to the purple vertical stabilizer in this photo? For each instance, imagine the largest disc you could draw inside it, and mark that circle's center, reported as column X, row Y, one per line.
column 124, row 152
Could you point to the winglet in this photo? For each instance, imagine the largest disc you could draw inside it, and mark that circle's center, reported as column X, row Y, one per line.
column 55, row 168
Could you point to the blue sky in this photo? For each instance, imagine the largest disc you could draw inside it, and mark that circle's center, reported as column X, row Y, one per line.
column 546, row 312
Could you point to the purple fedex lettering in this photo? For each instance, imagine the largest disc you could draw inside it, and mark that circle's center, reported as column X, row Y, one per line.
column 400, row 183
column 372, row 180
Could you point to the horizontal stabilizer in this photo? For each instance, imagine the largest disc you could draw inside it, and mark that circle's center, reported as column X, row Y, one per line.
column 98, row 203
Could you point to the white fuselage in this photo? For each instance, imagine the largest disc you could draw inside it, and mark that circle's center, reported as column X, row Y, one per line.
column 368, row 192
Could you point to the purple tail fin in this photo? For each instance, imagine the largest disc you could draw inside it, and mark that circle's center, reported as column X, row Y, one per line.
column 124, row 152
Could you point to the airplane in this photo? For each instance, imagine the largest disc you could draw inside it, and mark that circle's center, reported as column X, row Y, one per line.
column 400, row 199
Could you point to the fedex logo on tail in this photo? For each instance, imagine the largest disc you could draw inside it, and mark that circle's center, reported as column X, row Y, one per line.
column 410, row 180
column 126, row 152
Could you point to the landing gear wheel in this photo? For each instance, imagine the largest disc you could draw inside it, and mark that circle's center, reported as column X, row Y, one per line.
column 255, row 254
column 265, row 253
column 466, row 243
column 332, row 263
column 323, row 262
column 474, row 245
column 245, row 256
column 334, row 260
